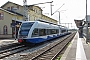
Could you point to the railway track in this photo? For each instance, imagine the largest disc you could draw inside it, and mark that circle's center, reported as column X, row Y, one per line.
column 49, row 52
column 12, row 50
column 4, row 47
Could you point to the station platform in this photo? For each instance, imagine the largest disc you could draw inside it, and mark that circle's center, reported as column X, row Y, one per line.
column 77, row 50
column 7, row 41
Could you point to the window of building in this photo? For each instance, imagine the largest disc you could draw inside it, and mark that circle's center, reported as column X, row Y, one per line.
column 8, row 8
column 5, row 30
column 1, row 16
column 35, row 11
column 39, row 12
column 18, row 6
column 12, row 7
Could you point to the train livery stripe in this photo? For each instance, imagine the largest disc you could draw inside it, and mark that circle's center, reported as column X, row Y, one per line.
column 38, row 40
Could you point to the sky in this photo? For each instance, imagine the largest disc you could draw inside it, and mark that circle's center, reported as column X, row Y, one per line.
column 72, row 9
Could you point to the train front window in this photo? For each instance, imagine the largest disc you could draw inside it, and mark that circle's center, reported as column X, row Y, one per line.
column 25, row 27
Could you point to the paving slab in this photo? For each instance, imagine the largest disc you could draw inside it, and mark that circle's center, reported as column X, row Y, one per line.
column 71, row 52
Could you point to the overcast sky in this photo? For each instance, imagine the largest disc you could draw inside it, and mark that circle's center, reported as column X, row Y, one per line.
column 72, row 9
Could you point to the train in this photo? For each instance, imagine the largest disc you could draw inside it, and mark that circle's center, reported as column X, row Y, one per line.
column 38, row 31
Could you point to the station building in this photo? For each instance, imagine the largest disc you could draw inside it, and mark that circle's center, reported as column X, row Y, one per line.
column 8, row 15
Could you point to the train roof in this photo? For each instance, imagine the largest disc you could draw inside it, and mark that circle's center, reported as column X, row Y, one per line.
column 39, row 20
column 44, row 21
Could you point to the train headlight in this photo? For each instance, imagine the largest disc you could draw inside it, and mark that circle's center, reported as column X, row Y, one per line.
column 20, row 40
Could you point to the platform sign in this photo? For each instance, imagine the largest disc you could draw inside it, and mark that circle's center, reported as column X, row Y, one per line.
column 13, row 24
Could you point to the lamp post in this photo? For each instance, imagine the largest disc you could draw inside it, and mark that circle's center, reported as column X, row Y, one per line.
column 14, row 9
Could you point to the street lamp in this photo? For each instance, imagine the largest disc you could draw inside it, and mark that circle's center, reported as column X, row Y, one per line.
column 14, row 9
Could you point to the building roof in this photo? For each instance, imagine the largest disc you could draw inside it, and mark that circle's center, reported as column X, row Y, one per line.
column 35, row 6
column 19, row 5
column 15, row 12
column 6, row 11
column 9, row 2
column 50, row 17
column 11, row 12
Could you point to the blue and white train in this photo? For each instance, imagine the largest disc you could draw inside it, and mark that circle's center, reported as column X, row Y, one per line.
column 39, row 31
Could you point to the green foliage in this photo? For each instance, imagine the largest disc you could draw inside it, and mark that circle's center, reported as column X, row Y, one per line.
column 58, row 58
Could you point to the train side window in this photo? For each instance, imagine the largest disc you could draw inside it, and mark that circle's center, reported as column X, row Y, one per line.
column 53, row 31
column 63, row 31
column 48, row 31
column 57, row 31
column 35, row 33
column 42, row 32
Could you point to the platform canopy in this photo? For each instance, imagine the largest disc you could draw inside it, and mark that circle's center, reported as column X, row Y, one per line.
column 78, row 23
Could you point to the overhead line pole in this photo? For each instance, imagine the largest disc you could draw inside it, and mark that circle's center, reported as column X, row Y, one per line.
column 86, row 24
column 25, row 16
column 56, row 10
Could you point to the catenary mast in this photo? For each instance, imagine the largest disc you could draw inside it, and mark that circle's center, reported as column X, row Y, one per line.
column 25, row 14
